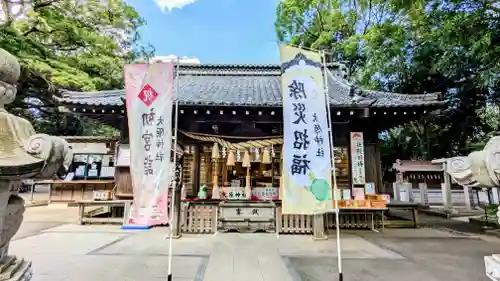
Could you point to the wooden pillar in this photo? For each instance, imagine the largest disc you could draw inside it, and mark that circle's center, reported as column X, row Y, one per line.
column 197, row 162
column 124, row 137
column 379, row 181
column 176, row 227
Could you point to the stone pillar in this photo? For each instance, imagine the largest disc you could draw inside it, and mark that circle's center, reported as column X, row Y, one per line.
column 446, row 189
column 395, row 191
column 467, row 197
column 495, row 198
column 405, row 192
column 23, row 154
column 319, row 227
column 424, row 194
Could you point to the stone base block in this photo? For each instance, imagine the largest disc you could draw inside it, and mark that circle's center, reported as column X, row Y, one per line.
column 492, row 267
column 15, row 269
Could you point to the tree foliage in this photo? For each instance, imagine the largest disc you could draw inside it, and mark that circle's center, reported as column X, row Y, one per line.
column 413, row 47
column 63, row 44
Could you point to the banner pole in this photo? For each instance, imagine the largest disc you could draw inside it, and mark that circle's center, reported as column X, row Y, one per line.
column 174, row 183
column 335, row 188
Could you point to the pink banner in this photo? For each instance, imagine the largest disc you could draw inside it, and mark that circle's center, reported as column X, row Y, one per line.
column 149, row 99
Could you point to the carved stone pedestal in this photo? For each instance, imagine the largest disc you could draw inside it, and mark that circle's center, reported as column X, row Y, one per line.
column 15, row 269
column 23, row 154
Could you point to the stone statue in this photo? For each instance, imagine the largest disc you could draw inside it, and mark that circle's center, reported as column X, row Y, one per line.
column 23, row 154
column 479, row 168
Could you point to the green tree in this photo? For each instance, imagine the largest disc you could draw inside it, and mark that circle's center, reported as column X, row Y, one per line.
column 411, row 47
column 64, row 44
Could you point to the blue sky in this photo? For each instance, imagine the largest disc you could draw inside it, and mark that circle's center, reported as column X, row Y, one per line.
column 214, row 31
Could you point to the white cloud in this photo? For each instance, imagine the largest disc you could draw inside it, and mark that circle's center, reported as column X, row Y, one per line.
column 182, row 60
column 171, row 4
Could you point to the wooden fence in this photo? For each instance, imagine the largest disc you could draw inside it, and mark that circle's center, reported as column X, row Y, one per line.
column 293, row 224
column 201, row 217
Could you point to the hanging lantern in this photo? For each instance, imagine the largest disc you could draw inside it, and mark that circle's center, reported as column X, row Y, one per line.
column 230, row 158
column 257, row 155
column 246, row 159
column 266, row 157
column 273, row 152
column 215, row 151
column 238, row 155
column 224, row 152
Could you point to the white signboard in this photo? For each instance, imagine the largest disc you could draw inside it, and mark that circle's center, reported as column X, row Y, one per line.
column 123, row 157
column 357, row 159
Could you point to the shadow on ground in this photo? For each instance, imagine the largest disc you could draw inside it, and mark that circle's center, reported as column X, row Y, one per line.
column 441, row 250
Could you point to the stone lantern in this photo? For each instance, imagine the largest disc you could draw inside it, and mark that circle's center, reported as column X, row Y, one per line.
column 23, row 154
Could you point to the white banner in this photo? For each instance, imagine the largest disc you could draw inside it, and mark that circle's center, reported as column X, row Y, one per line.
column 149, row 99
column 307, row 159
column 357, row 158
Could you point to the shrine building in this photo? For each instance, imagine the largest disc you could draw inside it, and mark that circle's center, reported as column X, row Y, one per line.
column 239, row 108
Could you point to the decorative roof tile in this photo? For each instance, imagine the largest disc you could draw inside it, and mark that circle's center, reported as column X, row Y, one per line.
column 253, row 85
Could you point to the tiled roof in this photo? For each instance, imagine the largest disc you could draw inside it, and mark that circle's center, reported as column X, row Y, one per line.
column 416, row 166
column 253, row 85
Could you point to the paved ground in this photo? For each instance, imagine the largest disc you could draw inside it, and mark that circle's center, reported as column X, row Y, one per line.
column 61, row 250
